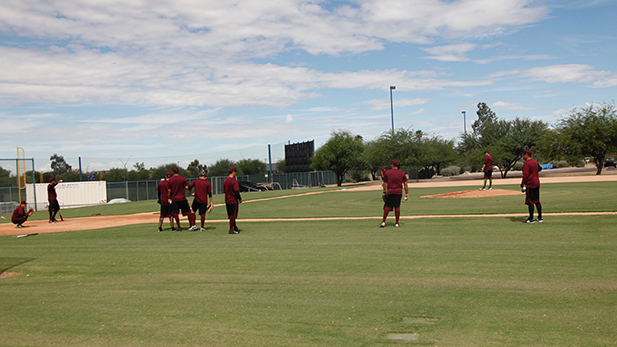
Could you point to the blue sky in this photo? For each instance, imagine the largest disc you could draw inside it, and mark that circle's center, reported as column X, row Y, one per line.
column 171, row 81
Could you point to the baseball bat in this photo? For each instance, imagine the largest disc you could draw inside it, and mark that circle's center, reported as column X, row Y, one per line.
column 25, row 235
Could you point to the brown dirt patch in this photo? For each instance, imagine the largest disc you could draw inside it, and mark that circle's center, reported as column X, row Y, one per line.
column 475, row 193
column 9, row 274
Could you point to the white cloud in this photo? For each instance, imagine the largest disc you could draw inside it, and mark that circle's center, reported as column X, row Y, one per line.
column 450, row 52
column 382, row 104
column 502, row 105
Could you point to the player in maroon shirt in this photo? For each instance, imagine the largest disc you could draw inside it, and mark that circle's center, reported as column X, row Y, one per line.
column 203, row 197
column 393, row 182
column 530, row 185
column 52, row 198
column 487, row 168
column 20, row 215
column 232, row 199
column 162, row 191
column 177, row 196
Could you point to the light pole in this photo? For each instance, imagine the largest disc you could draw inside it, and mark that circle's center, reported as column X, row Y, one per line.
column 392, row 107
column 123, row 163
column 464, row 122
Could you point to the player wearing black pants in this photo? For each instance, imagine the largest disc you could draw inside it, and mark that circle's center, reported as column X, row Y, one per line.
column 232, row 199
column 530, row 185
column 52, row 198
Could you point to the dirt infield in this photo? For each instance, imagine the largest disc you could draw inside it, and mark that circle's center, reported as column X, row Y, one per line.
column 99, row 222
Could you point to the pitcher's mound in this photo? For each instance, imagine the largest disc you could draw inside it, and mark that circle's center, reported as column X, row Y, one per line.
column 475, row 193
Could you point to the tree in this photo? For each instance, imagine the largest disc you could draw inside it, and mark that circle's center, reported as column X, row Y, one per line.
column 280, row 165
column 5, row 177
column 161, row 170
column 221, row 167
column 59, row 166
column 438, row 152
column 485, row 117
column 590, row 131
column 139, row 172
column 251, row 166
column 114, row 174
column 342, row 152
column 195, row 168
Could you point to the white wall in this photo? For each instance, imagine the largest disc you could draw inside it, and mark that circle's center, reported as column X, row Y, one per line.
column 70, row 194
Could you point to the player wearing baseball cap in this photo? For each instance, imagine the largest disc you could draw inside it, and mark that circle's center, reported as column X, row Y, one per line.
column 232, row 199
column 52, row 198
column 177, row 186
column 20, row 215
column 393, row 182
column 163, row 191
column 530, row 185
column 203, row 197
column 487, row 168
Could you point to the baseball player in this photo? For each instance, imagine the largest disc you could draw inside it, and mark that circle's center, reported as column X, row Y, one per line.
column 52, row 198
column 530, row 185
column 177, row 198
column 162, row 191
column 20, row 215
column 393, row 182
column 487, row 168
column 232, row 199
column 203, row 197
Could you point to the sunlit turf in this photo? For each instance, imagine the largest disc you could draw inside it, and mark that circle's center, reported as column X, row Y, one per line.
column 479, row 280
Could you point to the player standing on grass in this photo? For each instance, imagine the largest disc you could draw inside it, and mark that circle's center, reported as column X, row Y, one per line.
column 203, row 197
column 163, row 191
column 232, row 199
column 530, row 185
column 20, row 215
column 177, row 186
column 52, row 198
column 393, row 182
column 487, row 168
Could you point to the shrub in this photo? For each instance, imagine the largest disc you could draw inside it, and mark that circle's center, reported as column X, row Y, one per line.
column 451, row 171
column 580, row 163
column 518, row 166
column 562, row 163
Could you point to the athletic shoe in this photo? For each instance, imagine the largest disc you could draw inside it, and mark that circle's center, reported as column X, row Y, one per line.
column 232, row 231
column 396, row 225
column 481, row 188
column 193, row 228
column 202, row 229
column 174, row 229
column 540, row 220
column 53, row 221
column 19, row 226
column 382, row 225
column 529, row 220
column 160, row 229
column 489, row 188
column 179, row 229
column 236, row 229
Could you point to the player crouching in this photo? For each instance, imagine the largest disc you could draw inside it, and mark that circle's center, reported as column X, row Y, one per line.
column 20, row 215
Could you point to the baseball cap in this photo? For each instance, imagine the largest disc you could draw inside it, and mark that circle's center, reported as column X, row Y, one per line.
column 175, row 169
column 527, row 151
column 202, row 174
column 168, row 174
column 51, row 179
column 232, row 169
column 395, row 162
column 486, row 152
column 24, row 202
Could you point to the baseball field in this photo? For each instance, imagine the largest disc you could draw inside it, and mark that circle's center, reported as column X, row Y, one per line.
column 312, row 268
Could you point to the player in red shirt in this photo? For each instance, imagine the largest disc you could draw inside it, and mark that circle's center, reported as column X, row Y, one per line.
column 177, row 186
column 393, row 182
column 530, row 185
column 203, row 197
column 232, row 199
column 162, row 191
column 20, row 215
column 487, row 168
column 52, row 198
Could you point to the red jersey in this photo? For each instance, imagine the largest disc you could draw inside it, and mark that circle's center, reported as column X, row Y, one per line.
column 177, row 185
column 531, row 179
column 231, row 186
column 488, row 163
column 51, row 191
column 163, row 188
column 19, row 214
column 395, row 179
column 203, row 189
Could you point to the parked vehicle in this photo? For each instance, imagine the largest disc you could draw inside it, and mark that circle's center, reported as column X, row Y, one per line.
column 610, row 162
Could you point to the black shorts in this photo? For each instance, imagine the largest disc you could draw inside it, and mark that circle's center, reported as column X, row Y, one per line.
column 183, row 205
column 232, row 210
column 199, row 206
column 19, row 220
column 488, row 173
column 393, row 201
column 165, row 211
column 54, row 205
column 532, row 196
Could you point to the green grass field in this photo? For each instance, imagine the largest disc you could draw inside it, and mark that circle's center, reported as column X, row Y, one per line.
column 469, row 281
